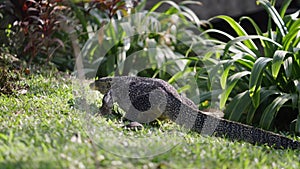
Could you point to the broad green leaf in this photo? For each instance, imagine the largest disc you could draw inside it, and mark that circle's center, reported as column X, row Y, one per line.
column 285, row 5
column 245, row 60
column 277, row 62
column 245, row 63
column 288, row 66
column 295, row 23
column 255, row 79
column 217, row 31
column 274, row 15
column 292, row 21
column 238, row 106
column 232, row 80
column 224, row 77
column 271, row 110
column 191, row 3
column 256, row 27
column 255, row 95
column 250, row 114
column 178, row 75
column 191, row 15
column 242, row 56
column 266, row 45
column 290, row 37
column 264, row 94
column 295, row 98
column 157, row 5
column 111, row 60
column 244, row 47
column 257, row 72
column 267, row 92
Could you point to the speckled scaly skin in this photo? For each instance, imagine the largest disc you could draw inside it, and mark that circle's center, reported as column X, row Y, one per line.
column 145, row 99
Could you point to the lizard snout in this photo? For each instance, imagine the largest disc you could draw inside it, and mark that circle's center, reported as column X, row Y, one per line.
column 93, row 86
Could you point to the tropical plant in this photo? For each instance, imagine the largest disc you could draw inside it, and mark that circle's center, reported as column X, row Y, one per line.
column 36, row 22
column 260, row 79
column 147, row 43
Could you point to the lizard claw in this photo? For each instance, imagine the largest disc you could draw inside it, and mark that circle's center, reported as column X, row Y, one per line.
column 134, row 126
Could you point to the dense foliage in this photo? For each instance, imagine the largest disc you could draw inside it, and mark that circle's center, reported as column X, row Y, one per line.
column 261, row 80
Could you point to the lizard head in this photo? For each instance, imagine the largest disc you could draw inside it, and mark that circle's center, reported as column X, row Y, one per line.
column 103, row 85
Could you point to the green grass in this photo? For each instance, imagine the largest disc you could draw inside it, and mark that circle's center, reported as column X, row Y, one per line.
column 42, row 129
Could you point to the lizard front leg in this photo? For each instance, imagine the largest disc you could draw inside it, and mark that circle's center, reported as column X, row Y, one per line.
column 107, row 104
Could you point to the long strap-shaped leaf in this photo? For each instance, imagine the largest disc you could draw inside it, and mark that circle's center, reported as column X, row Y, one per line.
column 274, row 15
column 245, row 38
column 272, row 109
column 265, row 94
column 277, row 62
column 255, row 79
column 232, row 80
column 239, row 104
column 240, row 31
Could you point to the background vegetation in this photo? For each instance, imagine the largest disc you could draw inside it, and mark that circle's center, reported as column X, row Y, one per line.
column 254, row 78
column 260, row 80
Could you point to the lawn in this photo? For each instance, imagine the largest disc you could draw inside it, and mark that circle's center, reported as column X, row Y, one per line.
column 43, row 128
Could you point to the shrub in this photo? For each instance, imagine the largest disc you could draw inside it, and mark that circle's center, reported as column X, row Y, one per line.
column 146, row 43
column 260, row 80
column 36, row 22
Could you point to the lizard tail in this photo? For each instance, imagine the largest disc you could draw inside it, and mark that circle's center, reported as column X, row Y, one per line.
column 238, row 131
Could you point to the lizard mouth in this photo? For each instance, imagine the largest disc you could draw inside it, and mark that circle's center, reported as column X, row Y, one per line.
column 93, row 86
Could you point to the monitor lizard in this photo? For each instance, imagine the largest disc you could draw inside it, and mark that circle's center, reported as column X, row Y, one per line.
column 145, row 99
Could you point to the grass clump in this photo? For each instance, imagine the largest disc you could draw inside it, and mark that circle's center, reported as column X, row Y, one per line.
column 41, row 129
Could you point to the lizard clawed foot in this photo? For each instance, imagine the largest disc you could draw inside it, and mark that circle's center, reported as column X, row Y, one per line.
column 134, row 126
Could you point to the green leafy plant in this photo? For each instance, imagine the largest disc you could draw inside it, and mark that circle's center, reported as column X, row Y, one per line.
column 260, row 80
column 41, row 21
column 163, row 45
column 37, row 23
